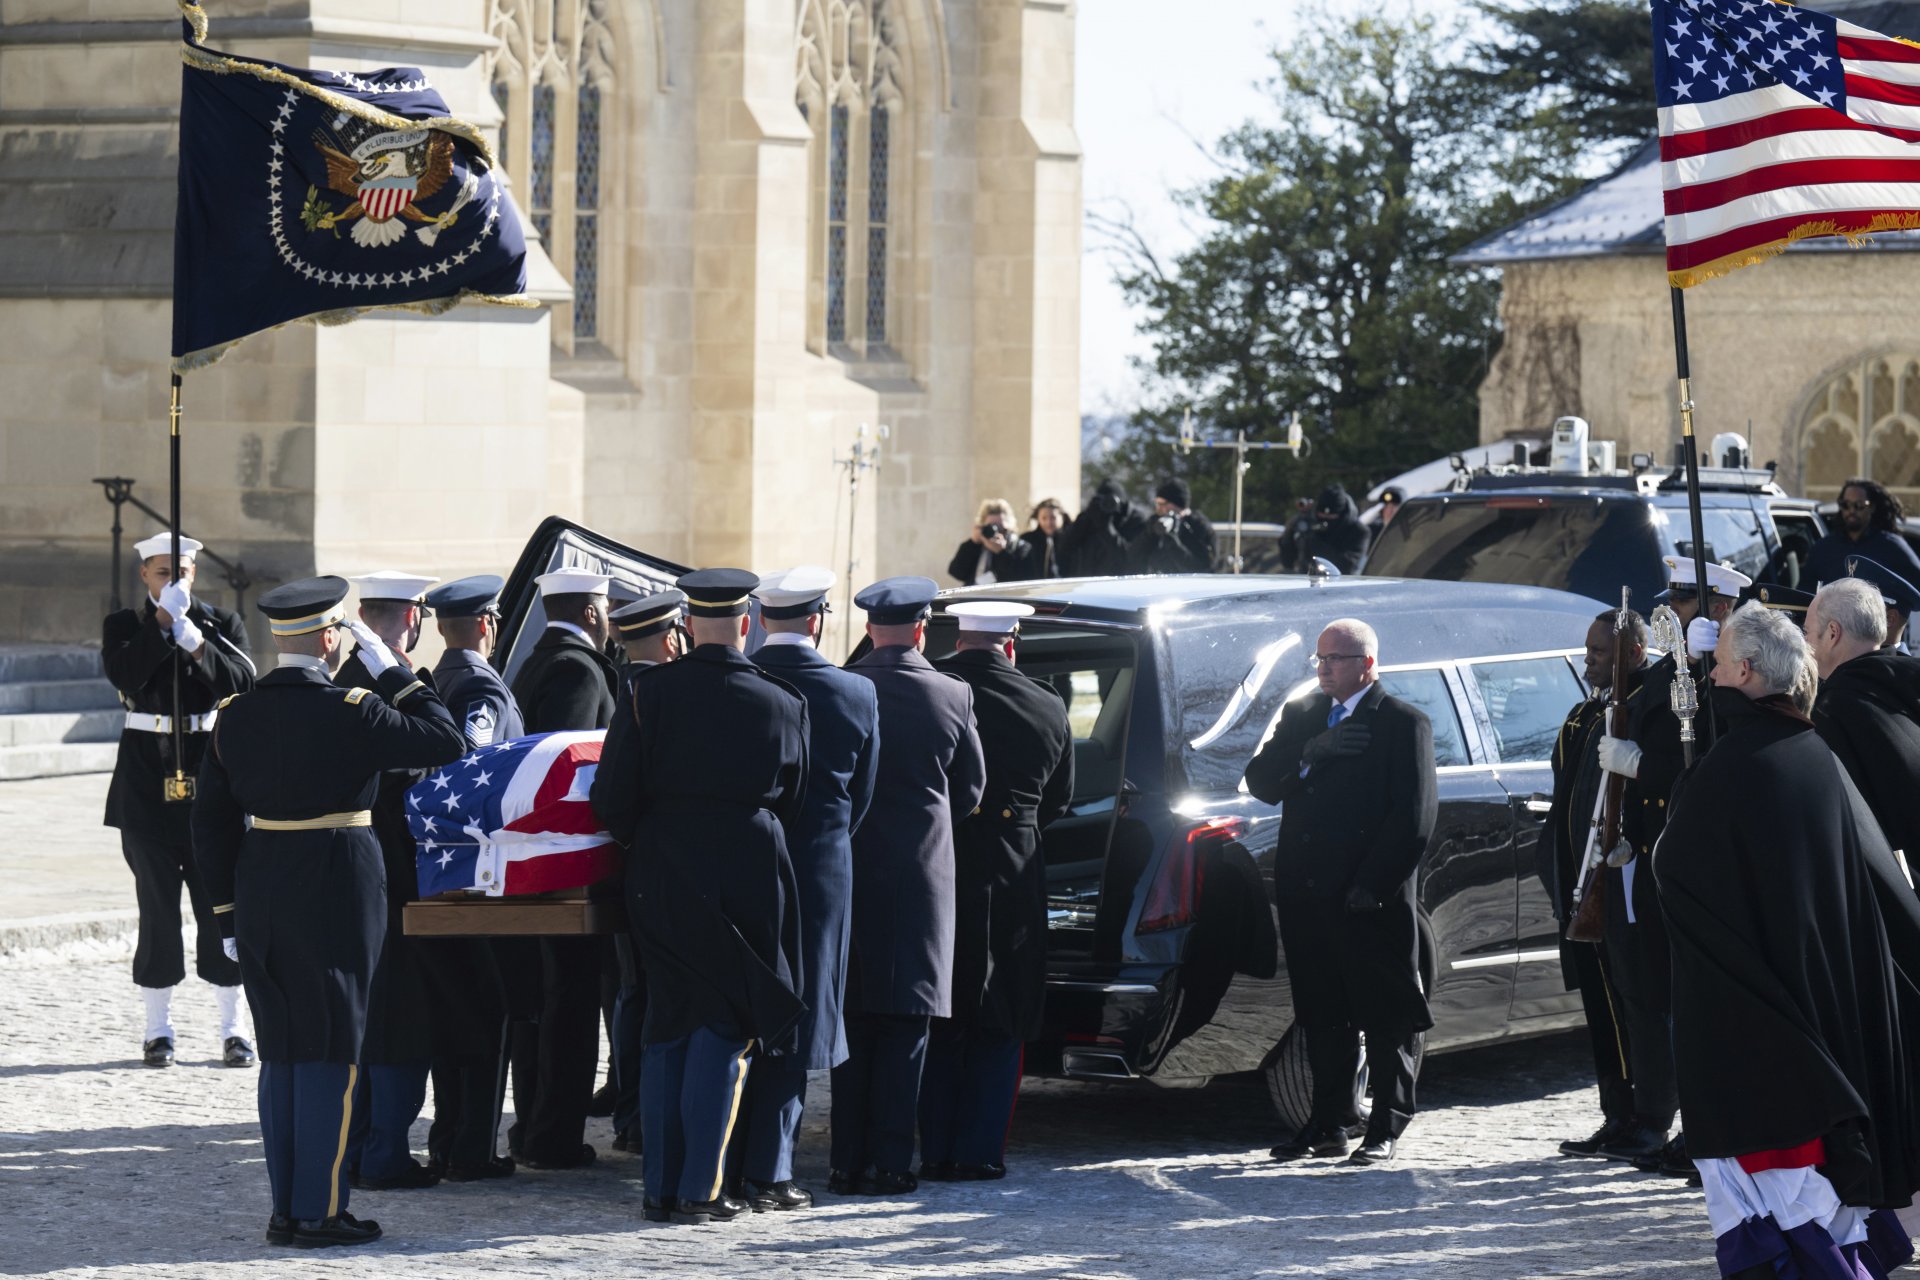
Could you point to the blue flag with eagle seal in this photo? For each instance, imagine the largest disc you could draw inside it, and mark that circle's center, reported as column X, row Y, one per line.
column 320, row 195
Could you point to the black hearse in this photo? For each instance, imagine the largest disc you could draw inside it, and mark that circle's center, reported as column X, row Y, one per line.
column 1164, row 958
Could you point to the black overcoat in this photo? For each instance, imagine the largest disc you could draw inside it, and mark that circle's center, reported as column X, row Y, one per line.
column 931, row 775
column 309, row 908
column 139, row 658
column 843, row 756
column 1000, row 879
column 702, row 790
column 1868, row 713
column 1364, row 820
column 565, row 683
column 1794, row 958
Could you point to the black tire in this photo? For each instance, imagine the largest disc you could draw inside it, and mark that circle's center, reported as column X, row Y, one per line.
column 1289, row 1077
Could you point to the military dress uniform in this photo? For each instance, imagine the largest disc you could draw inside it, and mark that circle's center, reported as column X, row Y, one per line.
column 1000, row 916
column 843, row 742
column 155, row 835
column 566, row 682
column 463, row 974
column 283, row 823
column 901, row 972
column 702, row 792
column 399, row 1047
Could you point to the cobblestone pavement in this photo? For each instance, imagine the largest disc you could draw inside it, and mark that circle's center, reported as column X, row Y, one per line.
column 111, row 1169
column 59, row 861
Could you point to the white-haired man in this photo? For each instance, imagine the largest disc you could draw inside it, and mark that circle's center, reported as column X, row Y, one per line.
column 1354, row 767
column 1787, row 914
column 1868, row 708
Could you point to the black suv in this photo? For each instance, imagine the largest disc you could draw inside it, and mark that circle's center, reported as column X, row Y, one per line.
column 1164, row 958
column 1595, row 534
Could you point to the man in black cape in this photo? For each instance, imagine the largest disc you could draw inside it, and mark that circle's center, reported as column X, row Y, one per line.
column 1794, row 938
column 1868, row 710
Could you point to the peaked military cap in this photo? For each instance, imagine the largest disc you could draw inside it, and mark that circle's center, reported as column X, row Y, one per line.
column 894, row 602
column 649, row 615
column 1894, row 589
column 466, row 597
column 1785, row 599
column 989, row 617
column 1725, row 582
column 717, row 593
column 303, row 607
column 573, row 582
column 392, row 584
column 795, row 593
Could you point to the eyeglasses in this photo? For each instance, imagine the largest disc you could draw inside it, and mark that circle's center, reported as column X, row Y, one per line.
column 1322, row 659
column 1856, row 506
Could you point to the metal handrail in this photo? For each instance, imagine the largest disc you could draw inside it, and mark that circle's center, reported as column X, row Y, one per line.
column 119, row 491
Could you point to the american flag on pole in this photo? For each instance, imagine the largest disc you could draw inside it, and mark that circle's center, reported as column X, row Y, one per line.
column 1778, row 124
column 512, row 818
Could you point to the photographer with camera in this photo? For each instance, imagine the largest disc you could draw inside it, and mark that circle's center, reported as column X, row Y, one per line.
column 993, row 552
column 1095, row 544
column 1178, row 539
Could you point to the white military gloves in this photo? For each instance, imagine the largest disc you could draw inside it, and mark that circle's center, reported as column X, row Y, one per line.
column 175, row 600
column 372, row 649
column 1621, row 756
column 230, row 948
column 1703, row 634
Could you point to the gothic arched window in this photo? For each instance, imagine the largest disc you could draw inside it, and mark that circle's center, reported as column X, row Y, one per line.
column 1865, row 421
column 553, row 72
column 848, row 86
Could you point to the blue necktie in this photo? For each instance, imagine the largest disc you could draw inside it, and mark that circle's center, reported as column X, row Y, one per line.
column 1337, row 714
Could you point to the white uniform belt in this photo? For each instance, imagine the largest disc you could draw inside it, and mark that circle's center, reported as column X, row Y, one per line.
column 147, row 722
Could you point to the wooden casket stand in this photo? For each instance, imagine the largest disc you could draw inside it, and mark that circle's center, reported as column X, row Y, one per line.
column 474, row 915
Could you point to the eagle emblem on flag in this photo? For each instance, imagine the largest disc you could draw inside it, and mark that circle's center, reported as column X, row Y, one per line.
column 386, row 174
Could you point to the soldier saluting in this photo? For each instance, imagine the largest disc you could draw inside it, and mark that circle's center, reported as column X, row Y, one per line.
column 283, row 821
column 140, row 649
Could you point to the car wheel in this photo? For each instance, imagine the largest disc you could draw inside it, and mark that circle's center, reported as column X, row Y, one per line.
column 1289, row 1077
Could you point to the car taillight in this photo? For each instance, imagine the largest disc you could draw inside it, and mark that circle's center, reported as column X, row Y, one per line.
column 1174, row 895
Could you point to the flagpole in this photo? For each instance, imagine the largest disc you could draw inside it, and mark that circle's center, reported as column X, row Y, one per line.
column 1692, row 450
column 179, row 786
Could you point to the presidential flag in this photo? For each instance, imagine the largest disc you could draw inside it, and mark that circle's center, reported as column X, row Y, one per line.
column 320, row 195
column 1778, row 124
column 512, row 818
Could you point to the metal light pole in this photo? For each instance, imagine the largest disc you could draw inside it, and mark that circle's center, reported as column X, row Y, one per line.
column 1295, row 444
column 864, row 456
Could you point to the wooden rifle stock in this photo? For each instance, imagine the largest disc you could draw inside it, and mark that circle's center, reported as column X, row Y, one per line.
column 1589, row 920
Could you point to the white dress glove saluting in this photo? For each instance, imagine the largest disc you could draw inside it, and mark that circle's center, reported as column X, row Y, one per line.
column 1620, row 755
column 174, row 602
column 372, row 649
column 1703, row 634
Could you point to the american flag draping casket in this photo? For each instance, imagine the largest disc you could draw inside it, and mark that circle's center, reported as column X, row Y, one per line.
column 512, row 818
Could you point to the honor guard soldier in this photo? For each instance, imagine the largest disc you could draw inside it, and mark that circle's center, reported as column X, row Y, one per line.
column 901, row 972
column 650, row 630
column 843, row 740
column 399, row 1046
column 702, row 790
column 463, row 974
column 567, row 682
column 283, row 821
column 141, row 650
column 1000, row 911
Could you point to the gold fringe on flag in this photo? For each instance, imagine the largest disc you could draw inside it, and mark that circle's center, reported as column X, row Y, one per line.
column 1855, row 236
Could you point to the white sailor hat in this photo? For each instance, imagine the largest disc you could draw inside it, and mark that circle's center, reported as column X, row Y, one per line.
column 573, row 582
column 161, row 544
column 795, row 593
column 1721, row 580
column 989, row 617
column 392, row 584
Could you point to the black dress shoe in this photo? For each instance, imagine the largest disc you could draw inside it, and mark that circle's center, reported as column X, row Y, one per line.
column 1634, row 1142
column 697, row 1213
column 496, row 1167
column 842, row 1183
column 1373, row 1151
column 658, row 1210
column 1590, row 1147
column 341, row 1229
column 584, row 1158
column 236, row 1052
column 884, row 1182
column 157, row 1052
column 936, row 1171
column 1670, row 1161
column 600, row 1106
column 415, row 1177
column 777, row 1197
column 978, row 1172
column 280, row 1229
column 1320, row 1143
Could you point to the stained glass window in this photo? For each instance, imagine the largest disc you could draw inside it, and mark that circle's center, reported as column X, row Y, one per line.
column 540, row 197
column 587, row 152
column 586, row 217
column 837, row 226
column 877, row 145
column 503, row 98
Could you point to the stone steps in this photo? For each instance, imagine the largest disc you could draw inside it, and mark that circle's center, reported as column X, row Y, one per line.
column 58, row 715
column 56, row 760
column 28, row 696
